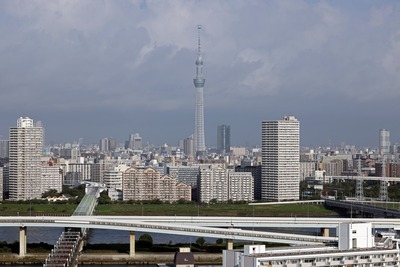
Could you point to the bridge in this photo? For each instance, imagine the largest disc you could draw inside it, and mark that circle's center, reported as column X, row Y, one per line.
column 360, row 208
column 66, row 250
column 229, row 228
column 366, row 178
column 167, row 225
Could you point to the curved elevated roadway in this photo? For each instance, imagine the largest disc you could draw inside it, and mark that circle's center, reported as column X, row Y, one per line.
column 164, row 226
column 259, row 222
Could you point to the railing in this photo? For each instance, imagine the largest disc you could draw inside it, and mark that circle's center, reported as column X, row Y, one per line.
column 65, row 251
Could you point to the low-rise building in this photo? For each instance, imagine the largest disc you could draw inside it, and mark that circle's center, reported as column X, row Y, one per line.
column 357, row 246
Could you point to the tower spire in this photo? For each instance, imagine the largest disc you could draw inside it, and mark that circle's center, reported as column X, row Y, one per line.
column 198, row 39
column 199, row 81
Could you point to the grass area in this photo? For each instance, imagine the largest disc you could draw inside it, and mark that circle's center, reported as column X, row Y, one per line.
column 241, row 210
column 15, row 209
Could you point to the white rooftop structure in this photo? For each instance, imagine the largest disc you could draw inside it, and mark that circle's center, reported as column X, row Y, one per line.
column 356, row 247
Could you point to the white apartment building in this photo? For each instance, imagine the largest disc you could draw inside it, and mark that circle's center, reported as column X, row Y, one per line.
column 217, row 183
column 280, row 159
column 113, row 177
column 25, row 151
column 356, row 247
column 76, row 173
column 51, row 178
column 307, row 169
column 213, row 184
column 241, row 186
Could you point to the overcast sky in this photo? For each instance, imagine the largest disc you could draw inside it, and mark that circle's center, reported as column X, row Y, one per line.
column 94, row 69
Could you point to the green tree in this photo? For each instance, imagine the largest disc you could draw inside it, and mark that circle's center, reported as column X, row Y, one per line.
column 219, row 241
column 104, row 198
column 145, row 241
column 200, row 241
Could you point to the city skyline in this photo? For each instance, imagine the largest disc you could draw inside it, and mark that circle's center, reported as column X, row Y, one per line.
column 128, row 67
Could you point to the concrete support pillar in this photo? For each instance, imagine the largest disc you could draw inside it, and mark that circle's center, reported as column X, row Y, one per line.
column 22, row 241
column 229, row 244
column 325, row 232
column 132, row 244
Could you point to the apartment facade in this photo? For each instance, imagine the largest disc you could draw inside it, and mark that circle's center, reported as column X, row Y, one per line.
column 280, row 159
column 25, row 151
column 147, row 184
column 218, row 184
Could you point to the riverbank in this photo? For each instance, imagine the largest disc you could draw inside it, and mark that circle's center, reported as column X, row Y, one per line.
column 114, row 258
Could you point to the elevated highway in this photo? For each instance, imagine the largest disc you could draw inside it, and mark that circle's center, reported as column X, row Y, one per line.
column 367, row 178
column 166, row 226
column 228, row 228
column 258, row 222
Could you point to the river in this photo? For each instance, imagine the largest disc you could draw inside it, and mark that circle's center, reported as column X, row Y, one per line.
column 96, row 236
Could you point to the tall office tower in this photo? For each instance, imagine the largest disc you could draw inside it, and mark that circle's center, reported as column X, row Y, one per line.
column 112, row 144
column 26, row 145
column 134, row 142
column 4, row 148
column 137, row 141
column 103, row 144
column 188, row 146
column 199, row 81
column 223, row 139
column 280, row 159
column 384, row 141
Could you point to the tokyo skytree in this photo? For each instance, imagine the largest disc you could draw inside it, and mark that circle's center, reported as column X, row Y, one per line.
column 199, row 139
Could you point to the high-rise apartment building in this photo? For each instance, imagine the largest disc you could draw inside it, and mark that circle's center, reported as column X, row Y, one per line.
column 280, row 159
column 223, row 139
column 26, row 146
column 199, row 81
column 384, row 141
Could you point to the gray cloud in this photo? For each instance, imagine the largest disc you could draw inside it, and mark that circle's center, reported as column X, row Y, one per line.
column 130, row 64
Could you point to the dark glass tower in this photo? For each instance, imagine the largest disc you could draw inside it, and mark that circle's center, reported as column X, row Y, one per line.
column 223, row 138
